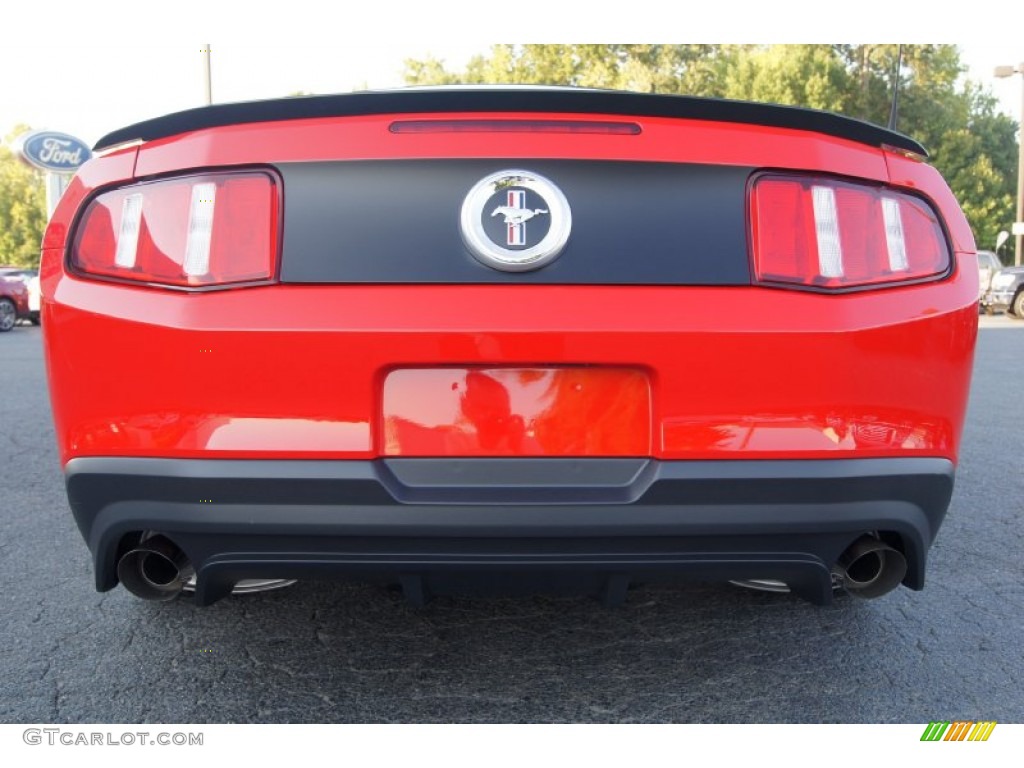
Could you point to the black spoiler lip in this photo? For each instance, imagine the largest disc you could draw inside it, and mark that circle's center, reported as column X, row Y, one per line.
column 514, row 99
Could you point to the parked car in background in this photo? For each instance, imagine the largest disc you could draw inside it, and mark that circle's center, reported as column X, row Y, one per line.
column 1006, row 293
column 30, row 277
column 21, row 273
column 988, row 265
column 13, row 302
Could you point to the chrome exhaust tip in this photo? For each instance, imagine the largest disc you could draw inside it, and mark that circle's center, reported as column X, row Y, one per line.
column 156, row 569
column 762, row 585
column 248, row 586
column 870, row 568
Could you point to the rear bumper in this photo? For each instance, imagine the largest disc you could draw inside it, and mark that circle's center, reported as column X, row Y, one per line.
column 588, row 521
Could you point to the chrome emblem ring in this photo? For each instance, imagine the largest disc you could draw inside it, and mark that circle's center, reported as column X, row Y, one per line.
column 515, row 220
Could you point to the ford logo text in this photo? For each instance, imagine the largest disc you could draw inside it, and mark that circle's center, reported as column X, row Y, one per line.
column 52, row 151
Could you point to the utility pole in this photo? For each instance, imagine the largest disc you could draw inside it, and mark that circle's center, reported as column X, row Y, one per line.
column 206, row 71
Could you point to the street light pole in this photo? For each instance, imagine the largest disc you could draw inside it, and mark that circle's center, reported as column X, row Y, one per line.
column 1018, row 226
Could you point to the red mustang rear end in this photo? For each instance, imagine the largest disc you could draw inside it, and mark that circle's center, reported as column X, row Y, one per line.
column 544, row 338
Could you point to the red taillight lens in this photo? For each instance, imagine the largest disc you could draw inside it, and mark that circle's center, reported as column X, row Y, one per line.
column 835, row 234
column 194, row 231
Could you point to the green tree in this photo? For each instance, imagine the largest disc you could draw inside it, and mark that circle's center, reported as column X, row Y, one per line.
column 971, row 144
column 808, row 75
column 649, row 68
column 978, row 158
column 22, row 208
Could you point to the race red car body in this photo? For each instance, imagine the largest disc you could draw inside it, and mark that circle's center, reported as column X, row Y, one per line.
column 545, row 337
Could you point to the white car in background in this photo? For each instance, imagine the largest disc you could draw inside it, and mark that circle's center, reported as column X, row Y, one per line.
column 988, row 265
column 33, row 299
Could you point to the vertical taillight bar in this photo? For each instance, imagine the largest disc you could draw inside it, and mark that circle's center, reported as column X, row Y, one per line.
column 200, row 230
column 128, row 234
column 894, row 240
column 826, row 227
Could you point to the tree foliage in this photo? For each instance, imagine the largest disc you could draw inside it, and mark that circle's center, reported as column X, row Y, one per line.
column 22, row 209
column 971, row 143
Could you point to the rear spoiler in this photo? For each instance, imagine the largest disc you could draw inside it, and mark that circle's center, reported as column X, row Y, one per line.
column 514, row 99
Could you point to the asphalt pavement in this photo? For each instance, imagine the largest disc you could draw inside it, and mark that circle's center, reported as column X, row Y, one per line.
column 335, row 652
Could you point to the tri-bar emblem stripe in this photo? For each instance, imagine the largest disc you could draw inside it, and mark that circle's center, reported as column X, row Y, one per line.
column 516, row 232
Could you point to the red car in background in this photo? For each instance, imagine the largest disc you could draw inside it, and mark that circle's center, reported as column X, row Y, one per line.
column 31, row 279
column 463, row 339
column 13, row 302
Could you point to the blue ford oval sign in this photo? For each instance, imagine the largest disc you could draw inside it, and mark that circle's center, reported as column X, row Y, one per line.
column 52, row 151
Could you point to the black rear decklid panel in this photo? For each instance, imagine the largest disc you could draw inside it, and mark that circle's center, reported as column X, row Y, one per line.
column 552, row 100
column 398, row 222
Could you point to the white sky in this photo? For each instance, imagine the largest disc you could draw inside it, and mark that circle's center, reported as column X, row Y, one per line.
column 87, row 68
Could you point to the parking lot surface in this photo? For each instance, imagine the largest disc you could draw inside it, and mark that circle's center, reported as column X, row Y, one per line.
column 335, row 652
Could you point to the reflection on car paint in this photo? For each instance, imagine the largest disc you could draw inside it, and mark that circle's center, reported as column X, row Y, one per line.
column 221, row 433
column 517, row 412
column 830, row 432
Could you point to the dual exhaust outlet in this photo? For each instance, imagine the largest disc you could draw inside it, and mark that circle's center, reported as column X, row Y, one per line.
column 870, row 568
column 156, row 569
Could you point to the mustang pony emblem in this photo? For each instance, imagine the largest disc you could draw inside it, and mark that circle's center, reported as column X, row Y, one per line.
column 521, row 241
column 516, row 215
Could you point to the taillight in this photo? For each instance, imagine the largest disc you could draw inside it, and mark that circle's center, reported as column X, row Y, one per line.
column 195, row 231
column 828, row 233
